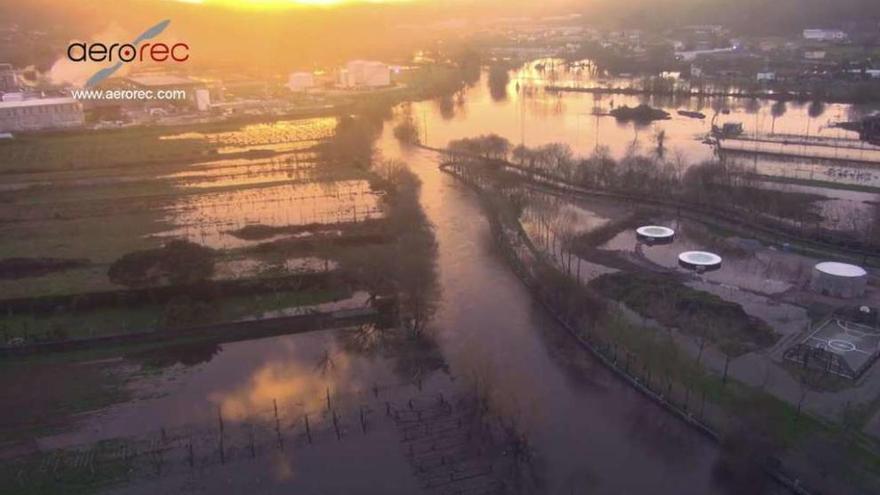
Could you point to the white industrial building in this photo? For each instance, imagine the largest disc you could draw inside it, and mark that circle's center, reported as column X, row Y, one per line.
column 835, row 279
column 766, row 76
column 365, row 74
column 299, row 82
column 824, row 35
column 40, row 114
column 203, row 100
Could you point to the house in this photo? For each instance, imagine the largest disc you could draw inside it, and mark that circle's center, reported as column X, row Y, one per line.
column 690, row 56
column 766, row 76
column 824, row 35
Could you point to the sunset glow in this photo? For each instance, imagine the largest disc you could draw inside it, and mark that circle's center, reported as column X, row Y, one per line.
column 284, row 4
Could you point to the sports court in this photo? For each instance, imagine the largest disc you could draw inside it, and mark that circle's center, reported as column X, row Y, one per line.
column 840, row 345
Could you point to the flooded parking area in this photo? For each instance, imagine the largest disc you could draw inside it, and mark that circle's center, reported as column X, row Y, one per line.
column 747, row 263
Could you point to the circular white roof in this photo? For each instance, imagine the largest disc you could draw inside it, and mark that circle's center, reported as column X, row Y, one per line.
column 700, row 258
column 655, row 231
column 841, row 269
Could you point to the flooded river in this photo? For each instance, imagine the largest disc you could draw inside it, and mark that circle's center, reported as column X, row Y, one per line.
column 592, row 431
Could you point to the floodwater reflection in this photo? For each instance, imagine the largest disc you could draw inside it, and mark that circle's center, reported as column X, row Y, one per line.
column 584, row 423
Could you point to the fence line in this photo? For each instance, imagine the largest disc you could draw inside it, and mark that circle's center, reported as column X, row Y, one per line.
column 455, row 445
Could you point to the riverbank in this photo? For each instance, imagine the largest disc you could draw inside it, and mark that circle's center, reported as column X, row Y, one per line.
column 683, row 385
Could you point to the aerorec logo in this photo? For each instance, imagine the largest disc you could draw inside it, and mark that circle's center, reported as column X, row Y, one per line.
column 122, row 53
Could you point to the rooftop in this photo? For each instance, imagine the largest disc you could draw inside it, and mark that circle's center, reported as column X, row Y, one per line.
column 700, row 258
column 38, row 102
column 655, row 231
column 841, row 269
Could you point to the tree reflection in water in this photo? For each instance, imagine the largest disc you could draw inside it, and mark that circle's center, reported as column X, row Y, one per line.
column 190, row 354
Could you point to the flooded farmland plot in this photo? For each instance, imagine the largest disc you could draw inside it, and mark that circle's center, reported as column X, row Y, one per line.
column 209, row 217
column 95, row 217
column 309, row 399
column 274, row 136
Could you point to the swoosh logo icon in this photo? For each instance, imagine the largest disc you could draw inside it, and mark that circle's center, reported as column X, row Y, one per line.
column 146, row 35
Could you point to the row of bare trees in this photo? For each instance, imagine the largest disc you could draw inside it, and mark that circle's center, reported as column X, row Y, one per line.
column 714, row 186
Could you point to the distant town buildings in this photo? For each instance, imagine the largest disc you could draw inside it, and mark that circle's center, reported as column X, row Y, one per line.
column 365, row 74
column 824, row 35
column 40, row 114
column 8, row 81
column 692, row 55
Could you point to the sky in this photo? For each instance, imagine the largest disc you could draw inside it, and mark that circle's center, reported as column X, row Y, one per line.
column 302, row 34
column 259, row 34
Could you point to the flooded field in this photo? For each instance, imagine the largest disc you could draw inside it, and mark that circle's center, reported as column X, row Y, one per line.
column 277, row 136
column 99, row 215
column 209, row 217
column 525, row 113
column 486, row 332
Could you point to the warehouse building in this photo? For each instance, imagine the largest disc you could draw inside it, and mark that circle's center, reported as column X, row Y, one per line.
column 40, row 114
column 365, row 74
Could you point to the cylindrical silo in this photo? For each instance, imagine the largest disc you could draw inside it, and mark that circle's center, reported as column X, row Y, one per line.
column 839, row 279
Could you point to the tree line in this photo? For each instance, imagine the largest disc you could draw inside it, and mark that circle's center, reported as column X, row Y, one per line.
column 716, row 186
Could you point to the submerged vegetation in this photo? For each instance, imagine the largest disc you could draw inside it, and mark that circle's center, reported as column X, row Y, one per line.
column 642, row 114
column 178, row 262
column 407, row 130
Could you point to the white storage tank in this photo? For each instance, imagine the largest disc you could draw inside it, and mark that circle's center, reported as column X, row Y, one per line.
column 699, row 261
column 655, row 234
column 835, row 279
